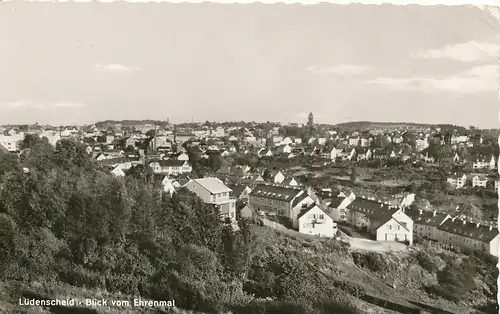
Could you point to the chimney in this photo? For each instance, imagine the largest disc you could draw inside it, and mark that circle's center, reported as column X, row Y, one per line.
column 477, row 225
column 464, row 221
column 491, row 227
column 420, row 212
column 453, row 219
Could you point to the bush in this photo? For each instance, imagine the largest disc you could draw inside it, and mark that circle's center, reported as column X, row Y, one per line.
column 455, row 281
column 351, row 288
column 426, row 261
column 371, row 261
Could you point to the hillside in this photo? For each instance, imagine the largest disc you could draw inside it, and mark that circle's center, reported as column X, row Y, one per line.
column 401, row 277
column 106, row 123
column 363, row 125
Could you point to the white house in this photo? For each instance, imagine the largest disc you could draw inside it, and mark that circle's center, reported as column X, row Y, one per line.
column 398, row 228
column 168, row 186
column 118, row 171
column 183, row 156
column 278, row 177
column 385, row 222
column 457, row 181
column 313, row 220
column 338, row 206
column 354, row 141
column 244, row 194
column 171, row 166
column 214, row 191
column 479, row 181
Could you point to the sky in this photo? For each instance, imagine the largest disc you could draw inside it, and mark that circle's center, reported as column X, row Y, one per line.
column 77, row 63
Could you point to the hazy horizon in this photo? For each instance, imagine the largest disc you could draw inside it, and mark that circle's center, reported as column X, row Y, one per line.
column 79, row 63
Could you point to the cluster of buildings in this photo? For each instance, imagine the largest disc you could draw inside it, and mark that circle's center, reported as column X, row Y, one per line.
column 275, row 194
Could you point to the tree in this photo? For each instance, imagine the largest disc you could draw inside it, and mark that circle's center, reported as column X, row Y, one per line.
column 354, row 174
column 151, row 133
column 70, row 153
column 471, row 210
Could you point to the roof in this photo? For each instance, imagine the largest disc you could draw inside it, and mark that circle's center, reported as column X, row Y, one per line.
column 171, row 163
column 469, row 230
column 275, row 192
column 426, row 217
column 336, row 201
column 288, row 180
column 373, row 209
column 213, row 185
column 299, row 199
column 238, row 189
column 308, row 208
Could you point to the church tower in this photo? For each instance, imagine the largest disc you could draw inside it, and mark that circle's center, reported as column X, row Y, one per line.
column 310, row 121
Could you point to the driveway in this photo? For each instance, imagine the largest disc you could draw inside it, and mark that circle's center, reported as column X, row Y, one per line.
column 374, row 246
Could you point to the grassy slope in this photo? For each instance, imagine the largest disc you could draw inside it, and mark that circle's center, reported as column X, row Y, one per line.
column 402, row 283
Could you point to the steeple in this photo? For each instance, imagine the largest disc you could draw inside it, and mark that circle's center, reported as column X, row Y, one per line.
column 310, row 121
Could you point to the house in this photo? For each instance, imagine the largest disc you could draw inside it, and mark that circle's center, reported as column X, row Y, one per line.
column 456, row 158
column 380, row 154
column 338, row 207
column 171, row 166
column 214, row 191
column 241, row 192
column 364, row 142
column 11, row 142
column 313, row 220
column 335, row 153
column 276, row 200
column 126, row 142
column 355, row 141
column 363, row 154
column 277, row 176
column 421, row 144
column 426, row 223
column 457, row 181
column 248, row 212
column 290, row 181
column 183, row 156
column 384, row 222
column 118, row 171
column 284, row 149
column 463, row 234
column 480, row 181
column 300, row 203
column 265, row 153
column 483, row 163
column 392, row 154
column 168, row 185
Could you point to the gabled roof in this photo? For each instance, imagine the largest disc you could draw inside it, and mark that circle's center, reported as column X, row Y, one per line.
column 288, row 180
column 469, row 230
column 299, row 199
column 336, row 201
column 373, row 209
column 307, row 209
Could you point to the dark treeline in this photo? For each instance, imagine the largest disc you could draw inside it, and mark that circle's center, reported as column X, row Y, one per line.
column 64, row 220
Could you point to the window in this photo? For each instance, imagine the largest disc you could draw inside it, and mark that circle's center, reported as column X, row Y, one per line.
column 399, row 227
column 232, row 215
column 321, row 216
column 390, row 227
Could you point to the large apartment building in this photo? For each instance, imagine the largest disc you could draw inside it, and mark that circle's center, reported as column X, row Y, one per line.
column 279, row 200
